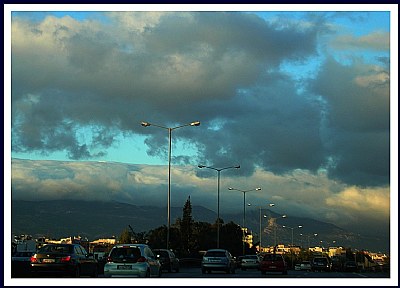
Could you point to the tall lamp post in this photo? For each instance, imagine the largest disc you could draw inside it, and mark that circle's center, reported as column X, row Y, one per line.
column 147, row 124
column 219, row 172
column 291, row 248
column 244, row 210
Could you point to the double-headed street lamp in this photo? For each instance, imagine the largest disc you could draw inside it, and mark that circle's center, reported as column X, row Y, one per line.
column 291, row 248
column 298, row 226
column 219, row 172
column 147, row 124
column 244, row 210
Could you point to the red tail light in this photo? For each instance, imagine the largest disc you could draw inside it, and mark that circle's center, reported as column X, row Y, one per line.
column 33, row 259
column 66, row 259
column 141, row 259
column 109, row 259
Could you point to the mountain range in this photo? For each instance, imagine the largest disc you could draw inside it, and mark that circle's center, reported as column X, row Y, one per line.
column 97, row 219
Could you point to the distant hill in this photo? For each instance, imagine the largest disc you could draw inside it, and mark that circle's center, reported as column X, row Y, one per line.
column 96, row 219
column 92, row 219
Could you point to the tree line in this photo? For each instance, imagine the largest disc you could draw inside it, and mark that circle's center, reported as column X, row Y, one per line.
column 189, row 237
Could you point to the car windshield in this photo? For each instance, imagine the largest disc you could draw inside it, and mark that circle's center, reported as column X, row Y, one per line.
column 131, row 254
column 272, row 257
column 215, row 254
column 62, row 249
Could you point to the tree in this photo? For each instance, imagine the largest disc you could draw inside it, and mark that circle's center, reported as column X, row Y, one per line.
column 125, row 237
column 186, row 227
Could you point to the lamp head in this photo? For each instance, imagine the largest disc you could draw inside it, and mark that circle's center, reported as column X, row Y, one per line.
column 284, row 216
column 201, row 166
column 271, row 205
column 237, row 167
column 258, row 189
column 196, row 123
column 145, row 124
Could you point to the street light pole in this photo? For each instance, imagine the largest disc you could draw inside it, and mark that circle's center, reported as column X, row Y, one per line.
column 244, row 210
column 291, row 248
column 218, row 172
column 147, row 124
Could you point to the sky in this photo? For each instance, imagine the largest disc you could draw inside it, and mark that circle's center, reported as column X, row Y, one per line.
column 299, row 96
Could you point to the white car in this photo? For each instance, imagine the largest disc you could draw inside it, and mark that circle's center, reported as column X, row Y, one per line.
column 132, row 260
column 218, row 260
column 305, row 265
column 250, row 262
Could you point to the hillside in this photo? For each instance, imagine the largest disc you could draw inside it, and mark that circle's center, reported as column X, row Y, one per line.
column 96, row 219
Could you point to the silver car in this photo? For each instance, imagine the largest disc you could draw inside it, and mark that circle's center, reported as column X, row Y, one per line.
column 219, row 260
column 250, row 262
column 132, row 260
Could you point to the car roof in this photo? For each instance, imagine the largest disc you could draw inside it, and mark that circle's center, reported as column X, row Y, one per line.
column 222, row 250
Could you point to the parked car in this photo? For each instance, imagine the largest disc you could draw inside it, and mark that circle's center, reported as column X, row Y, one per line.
column 273, row 263
column 305, row 266
column 250, row 262
column 69, row 259
column 20, row 264
column 132, row 260
column 297, row 267
column 167, row 259
column 350, row 266
column 218, row 260
column 321, row 264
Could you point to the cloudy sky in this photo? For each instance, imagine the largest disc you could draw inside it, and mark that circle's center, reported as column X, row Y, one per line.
column 302, row 101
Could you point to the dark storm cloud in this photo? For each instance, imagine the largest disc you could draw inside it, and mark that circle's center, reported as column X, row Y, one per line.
column 357, row 122
column 223, row 69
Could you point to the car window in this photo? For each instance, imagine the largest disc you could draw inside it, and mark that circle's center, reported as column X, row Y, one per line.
column 83, row 250
column 149, row 252
column 273, row 257
column 320, row 260
column 131, row 253
column 215, row 254
column 62, row 249
column 77, row 250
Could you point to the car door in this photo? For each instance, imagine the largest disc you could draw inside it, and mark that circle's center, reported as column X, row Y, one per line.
column 153, row 262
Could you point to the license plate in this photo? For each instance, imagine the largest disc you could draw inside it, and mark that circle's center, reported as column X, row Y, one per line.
column 272, row 267
column 48, row 261
column 124, row 267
